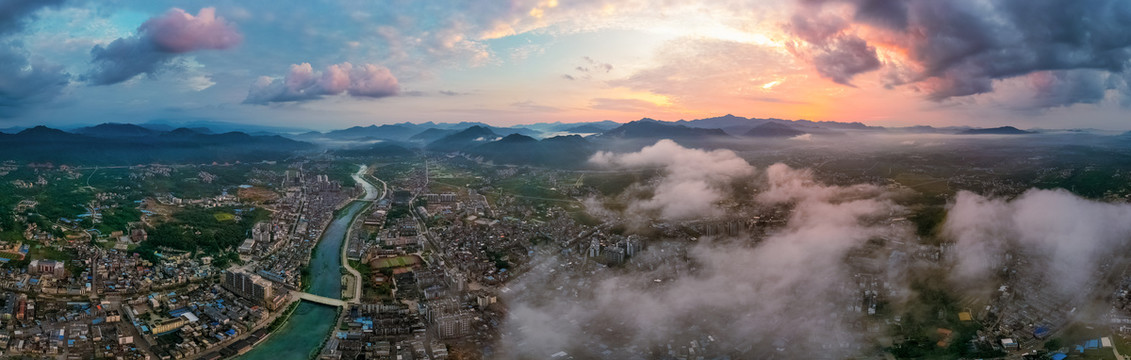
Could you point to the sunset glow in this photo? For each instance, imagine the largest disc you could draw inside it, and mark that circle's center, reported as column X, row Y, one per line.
column 544, row 60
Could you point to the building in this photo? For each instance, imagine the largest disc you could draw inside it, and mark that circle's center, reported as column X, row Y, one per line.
column 454, row 325
column 247, row 246
column 138, row 235
column 168, row 325
column 46, row 267
column 613, row 255
column 594, row 248
column 249, row 286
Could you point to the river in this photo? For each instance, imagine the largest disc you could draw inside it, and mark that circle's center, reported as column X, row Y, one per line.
column 305, row 330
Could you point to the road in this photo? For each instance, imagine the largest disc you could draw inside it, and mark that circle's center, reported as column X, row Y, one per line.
column 370, row 195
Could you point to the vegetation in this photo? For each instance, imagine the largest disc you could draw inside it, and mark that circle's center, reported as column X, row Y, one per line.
column 935, row 308
column 200, row 231
column 282, row 319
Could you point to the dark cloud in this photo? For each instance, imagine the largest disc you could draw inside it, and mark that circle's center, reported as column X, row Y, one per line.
column 25, row 83
column 960, row 47
column 837, row 55
column 303, row 83
column 14, row 13
column 158, row 42
column 845, row 57
column 1067, row 87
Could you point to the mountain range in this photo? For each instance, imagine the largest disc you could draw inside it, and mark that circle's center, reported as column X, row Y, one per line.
column 125, row 144
column 538, row 144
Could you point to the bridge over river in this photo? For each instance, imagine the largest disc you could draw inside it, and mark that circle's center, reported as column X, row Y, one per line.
column 321, row 299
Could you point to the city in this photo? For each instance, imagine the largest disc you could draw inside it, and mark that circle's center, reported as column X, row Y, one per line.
column 565, row 180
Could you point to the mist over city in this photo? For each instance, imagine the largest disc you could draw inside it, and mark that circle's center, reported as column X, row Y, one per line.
column 542, row 179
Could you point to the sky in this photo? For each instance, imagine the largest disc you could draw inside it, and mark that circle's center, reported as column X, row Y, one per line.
column 338, row 63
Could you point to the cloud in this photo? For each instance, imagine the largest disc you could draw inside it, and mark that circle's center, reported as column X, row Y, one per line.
column 790, row 289
column 1050, row 236
column 25, row 83
column 158, row 41
column 14, row 13
column 962, row 47
column 596, row 65
column 694, row 180
column 835, row 53
column 303, row 83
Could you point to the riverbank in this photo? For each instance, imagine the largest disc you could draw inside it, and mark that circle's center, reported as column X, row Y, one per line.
column 295, row 339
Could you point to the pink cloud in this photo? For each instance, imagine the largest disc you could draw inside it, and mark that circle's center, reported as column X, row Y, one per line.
column 178, row 31
column 158, row 42
column 303, row 83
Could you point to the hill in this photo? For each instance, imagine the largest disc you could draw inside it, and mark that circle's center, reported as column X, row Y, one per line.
column 463, row 140
column 386, row 132
column 431, row 134
column 115, row 130
column 587, row 129
column 43, row 144
column 558, row 151
column 382, row 149
column 740, row 125
column 774, row 130
column 1004, row 130
column 654, row 130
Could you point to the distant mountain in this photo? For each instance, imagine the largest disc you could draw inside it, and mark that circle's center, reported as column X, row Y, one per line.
column 834, row 125
column 739, row 125
column 511, row 140
column 218, row 126
column 382, row 149
column 12, row 130
column 559, row 126
column 405, row 131
column 587, row 129
column 168, row 128
column 431, row 134
column 720, row 122
column 1004, row 130
column 111, row 147
column 115, row 130
column 651, row 129
column 463, row 140
column 774, row 130
column 558, row 151
column 389, row 132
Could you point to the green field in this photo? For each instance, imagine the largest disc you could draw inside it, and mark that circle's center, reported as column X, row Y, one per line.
column 395, row 262
column 222, row 216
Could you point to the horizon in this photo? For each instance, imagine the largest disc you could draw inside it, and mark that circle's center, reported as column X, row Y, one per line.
column 225, row 126
column 344, row 64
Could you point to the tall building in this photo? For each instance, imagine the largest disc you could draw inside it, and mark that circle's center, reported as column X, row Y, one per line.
column 454, row 325
column 613, row 255
column 249, row 286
